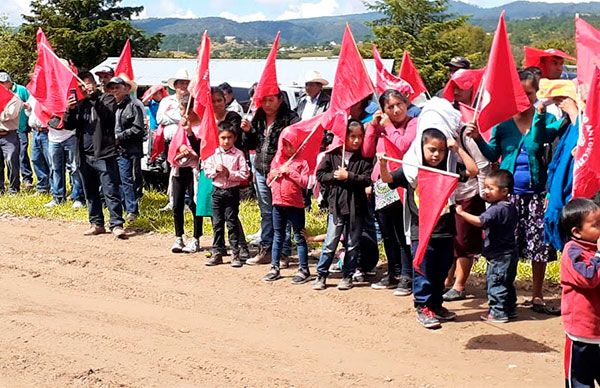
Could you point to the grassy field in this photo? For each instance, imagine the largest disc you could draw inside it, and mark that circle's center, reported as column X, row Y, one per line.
column 151, row 219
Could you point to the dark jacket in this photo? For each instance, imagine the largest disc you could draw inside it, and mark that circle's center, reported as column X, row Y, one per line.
column 264, row 140
column 345, row 197
column 129, row 127
column 95, row 114
column 322, row 104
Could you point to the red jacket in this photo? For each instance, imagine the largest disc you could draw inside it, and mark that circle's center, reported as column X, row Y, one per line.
column 580, row 280
column 287, row 189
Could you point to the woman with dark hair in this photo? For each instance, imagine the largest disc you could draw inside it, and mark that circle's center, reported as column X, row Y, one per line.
column 519, row 142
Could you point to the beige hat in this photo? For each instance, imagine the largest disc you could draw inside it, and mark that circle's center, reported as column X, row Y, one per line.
column 181, row 75
column 131, row 83
column 315, row 76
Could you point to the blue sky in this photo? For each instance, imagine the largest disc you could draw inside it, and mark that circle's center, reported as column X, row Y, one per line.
column 241, row 10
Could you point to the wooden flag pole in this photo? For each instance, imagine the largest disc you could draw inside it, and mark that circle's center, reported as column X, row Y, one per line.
column 443, row 172
column 62, row 63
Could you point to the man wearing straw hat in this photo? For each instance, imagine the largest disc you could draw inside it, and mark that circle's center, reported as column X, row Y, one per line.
column 314, row 101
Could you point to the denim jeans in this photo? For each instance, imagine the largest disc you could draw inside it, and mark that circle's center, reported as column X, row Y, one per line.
column 25, row 163
column 63, row 156
column 500, row 281
column 9, row 154
column 102, row 174
column 369, row 250
column 428, row 279
column 40, row 157
column 397, row 251
column 265, row 204
column 352, row 233
column 129, row 196
column 282, row 217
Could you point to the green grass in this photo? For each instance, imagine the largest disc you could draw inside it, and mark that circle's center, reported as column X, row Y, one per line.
column 151, row 219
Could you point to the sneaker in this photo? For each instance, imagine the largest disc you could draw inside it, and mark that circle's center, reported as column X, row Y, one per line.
column 178, row 245
column 236, row 261
column 404, row 287
column 167, row 208
column 77, row 205
column 301, row 277
column 513, row 314
column 359, row 276
column 51, row 204
column 244, row 254
column 272, row 275
column 386, row 283
column 427, row 318
column 94, row 230
column 119, row 232
column 489, row 317
column 131, row 217
column 193, row 246
column 336, row 267
column 320, row 283
column 284, row 261
column 345, row 284
column 215, row 259
column 453, row 295
column 263, row 257
column 443, row 314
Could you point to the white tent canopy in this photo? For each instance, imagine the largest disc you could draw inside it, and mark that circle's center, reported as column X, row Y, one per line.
column 239, row 72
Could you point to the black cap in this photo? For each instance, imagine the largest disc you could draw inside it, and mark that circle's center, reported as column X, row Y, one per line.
column 459, row 62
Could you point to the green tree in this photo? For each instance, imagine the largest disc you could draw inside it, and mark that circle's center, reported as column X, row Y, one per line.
column 12, row 54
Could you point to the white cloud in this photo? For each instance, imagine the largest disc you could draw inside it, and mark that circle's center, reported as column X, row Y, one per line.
column 13, row 9
column 251, row 17
column 168, row 9
column 310, row 10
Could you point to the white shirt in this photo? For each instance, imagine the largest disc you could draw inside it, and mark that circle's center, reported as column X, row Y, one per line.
column 169, row 115
column 235, row 106
column 309, row 108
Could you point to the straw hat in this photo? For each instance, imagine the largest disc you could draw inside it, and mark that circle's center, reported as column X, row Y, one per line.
column 315, row 76
column 181, row 75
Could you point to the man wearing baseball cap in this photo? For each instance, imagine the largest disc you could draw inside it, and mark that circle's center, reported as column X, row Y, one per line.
column 314, row 101
column 104, row 74
column 453, row 65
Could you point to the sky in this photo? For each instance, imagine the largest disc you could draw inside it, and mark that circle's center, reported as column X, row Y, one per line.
column 243, row 10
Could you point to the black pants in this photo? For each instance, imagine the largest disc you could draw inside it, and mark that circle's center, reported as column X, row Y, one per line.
column 397, row 251
column 182, row 184
column 102, row 174
column 581, row 364
column 226, row 207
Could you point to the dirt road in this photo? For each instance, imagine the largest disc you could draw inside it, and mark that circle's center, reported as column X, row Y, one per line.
column 92, row 311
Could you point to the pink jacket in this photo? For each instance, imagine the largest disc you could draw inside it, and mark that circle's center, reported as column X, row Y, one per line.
column 287, row 189
column 580, row 280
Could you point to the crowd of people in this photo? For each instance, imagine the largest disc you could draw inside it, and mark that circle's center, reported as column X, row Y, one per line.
column 511, row 202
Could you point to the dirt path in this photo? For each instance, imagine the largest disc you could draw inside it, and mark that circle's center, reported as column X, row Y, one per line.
column 92, row 311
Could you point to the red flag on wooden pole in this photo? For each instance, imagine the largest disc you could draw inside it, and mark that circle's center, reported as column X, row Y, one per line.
column 267, row 85
column 6, row 96
column 306, row 137
column 386, row 80
column 124, row 65
column 410, row 74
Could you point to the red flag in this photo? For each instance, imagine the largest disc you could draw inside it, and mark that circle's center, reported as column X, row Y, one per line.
column 409, row 72
column 587, row 40
column 464, row 79
column 200, row 90
column 5, row 97
column 533, row 56
column 431, row 195
column 40, row 38
column 267, row 85
column 50, row 84
column 306, row 137
column 502, row 93
column 124, row 65
column 352, row 84
column 586, row 167
column 179, row 138
column 386, row 80
column 158, row 143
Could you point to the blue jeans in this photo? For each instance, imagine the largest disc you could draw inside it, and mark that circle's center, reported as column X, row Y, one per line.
column 9, row 154
column 352, row 233
column 104, row 174
column 500, row 281
column 40, row 157
column 25, row 163
column 282, row 217
column 428, row 280
column 265, row 204
column 129, row 196
column 63, row 156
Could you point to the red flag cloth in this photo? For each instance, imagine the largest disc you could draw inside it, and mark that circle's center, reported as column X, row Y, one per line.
column 5, row 97
column 464, row 79
column 267, row 85
column 586, row 167
column 158, row 143
column 200, row 90
column 306, row 137
column 386, row 80
column 410, row 74
column 502, row 93
column 533, row 56
column 352, row 84
column 124, row 65
column 587, row 40
column 40, row 38
column 431, row 195
column 50, row 84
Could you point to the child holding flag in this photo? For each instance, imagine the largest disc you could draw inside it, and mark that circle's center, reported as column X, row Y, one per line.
column 430, row 273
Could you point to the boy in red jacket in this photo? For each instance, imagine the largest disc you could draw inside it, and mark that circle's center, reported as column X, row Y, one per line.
column 580, row 280
column 288, row 179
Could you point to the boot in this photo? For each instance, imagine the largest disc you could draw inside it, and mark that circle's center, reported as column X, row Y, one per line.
column 263, row 257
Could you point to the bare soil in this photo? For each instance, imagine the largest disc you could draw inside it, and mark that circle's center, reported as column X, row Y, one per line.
column 93, row 311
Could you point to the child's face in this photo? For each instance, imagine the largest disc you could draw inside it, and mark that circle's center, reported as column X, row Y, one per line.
column 590, row 228
column 226, row 140
column 492, row 192
column 288, row 149
column 434, row 151
column 354, row 139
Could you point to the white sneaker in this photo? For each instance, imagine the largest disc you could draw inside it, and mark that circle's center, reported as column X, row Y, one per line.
column 192, row 246
column 166, row 208
column 77, row 205
column 178, row 245
column 51, row 204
